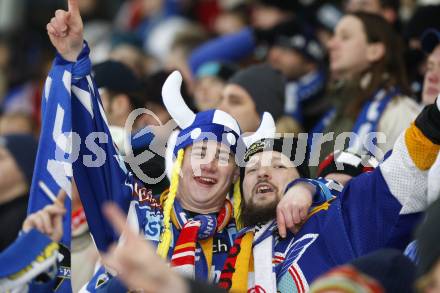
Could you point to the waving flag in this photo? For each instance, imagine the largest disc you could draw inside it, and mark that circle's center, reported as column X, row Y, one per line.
column 100, row 172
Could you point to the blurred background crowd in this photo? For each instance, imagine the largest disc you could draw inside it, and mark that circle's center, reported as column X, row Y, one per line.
column 153, row 37
column 324, row 58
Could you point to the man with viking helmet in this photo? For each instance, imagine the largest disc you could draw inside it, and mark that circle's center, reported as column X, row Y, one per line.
column 374, row 210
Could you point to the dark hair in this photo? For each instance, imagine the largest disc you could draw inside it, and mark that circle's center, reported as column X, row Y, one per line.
column 387, row 72
column 136, row 98
column 393, row 4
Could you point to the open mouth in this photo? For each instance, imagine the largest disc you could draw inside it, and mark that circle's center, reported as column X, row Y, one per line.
column 263, row 188
column 205, row 181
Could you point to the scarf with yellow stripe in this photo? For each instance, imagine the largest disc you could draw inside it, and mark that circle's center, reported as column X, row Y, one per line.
column 196, row 232
column 252, row 246
column 251, row 262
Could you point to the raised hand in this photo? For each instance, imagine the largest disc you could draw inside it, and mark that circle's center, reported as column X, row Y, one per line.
column 65, row 31
column 48, row 220
column 136, row 262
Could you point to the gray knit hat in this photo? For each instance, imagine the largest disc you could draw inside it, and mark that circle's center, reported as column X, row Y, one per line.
column 266, row 87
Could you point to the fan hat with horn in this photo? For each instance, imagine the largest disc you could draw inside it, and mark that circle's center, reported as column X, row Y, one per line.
column 207, row 125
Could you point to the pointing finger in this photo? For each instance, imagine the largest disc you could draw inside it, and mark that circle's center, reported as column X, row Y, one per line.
column 57, row 228
column 54, row 210
column 61, row 197
column 115, row 216
column 73, row 6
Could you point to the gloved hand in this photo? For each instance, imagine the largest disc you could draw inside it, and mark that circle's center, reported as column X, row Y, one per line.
column 428, row 121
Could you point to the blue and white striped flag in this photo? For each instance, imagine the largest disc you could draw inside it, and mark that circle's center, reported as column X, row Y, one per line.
column 53, row 166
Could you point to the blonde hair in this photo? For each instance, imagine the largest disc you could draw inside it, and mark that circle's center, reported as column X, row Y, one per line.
column 237, row 204
column 165, row 238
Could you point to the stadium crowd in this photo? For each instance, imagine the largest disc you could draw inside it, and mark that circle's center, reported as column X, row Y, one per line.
column 219, row 146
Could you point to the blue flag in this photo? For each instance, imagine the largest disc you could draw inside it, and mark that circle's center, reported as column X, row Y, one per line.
column 53, row 166
column 76, row 142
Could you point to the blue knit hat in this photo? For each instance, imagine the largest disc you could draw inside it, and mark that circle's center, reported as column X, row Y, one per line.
column 302, row 41
column 207, row 125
